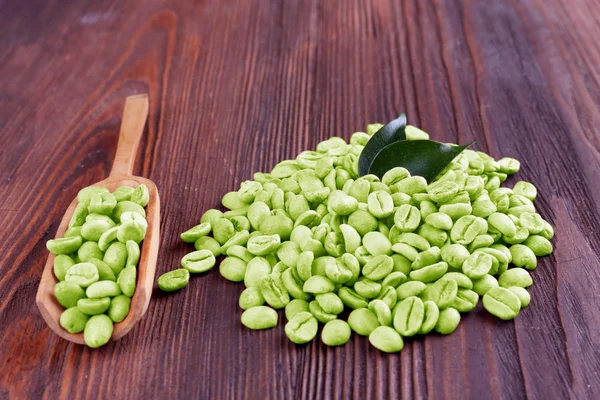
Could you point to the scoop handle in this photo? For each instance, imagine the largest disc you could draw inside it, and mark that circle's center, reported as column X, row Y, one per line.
column 135, row 114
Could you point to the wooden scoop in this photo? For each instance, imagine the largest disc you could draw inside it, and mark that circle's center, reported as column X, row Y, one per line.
column 132, row 128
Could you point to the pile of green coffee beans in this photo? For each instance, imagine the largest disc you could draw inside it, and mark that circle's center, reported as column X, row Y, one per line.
column 386, row 258
column 96, row 260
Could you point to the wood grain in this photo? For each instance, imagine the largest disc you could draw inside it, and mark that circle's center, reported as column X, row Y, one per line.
column 236, row 86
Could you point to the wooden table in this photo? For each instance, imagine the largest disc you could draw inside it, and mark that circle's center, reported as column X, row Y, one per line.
column 236, row 86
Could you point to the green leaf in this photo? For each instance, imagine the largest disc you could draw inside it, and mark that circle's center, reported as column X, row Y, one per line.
column 390, row 133
column 425, row 158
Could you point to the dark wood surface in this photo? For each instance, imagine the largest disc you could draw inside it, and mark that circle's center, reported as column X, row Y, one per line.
column 236, row 86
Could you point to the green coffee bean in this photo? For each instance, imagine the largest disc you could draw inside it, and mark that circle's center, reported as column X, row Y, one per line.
column 386, row 339
column 461, row 280
column 336, row 333
column 502, row 223
column 84, row 196
column 263, row 244
column 279, row 225
column 127, row 280
column 62, row 263
column 465, row 300
column 320, row 314
column 382, row 310
column 523, row 256
column 515, row 277
column 477, row 265
column 363, row 321
column 256, row 269
column 401, row 264
column 439, row 220
column 174, row 280
column 321, row 264
column 456, row 211
column 95, row 228
column 223, row 230
column 522, row 294
column 102, row 203
column 294, row 307
column 467, row 228
column 101, row 289
column 410, row 289
column 367, row 288
column 330, row 303
column 251, row 297
column 68, row 294
column 73, row 320
column 82, row 274
column 435, row 237
column 394, row 279
column 483, row 284
column 408, row 316
column 133, row 253
column 362, row 221
column 89, row 250
column 378, row 267
column 232, row 201
column 93, row 306
column 429, row 273
column 125, row 206
column 447, row 321
column 509, row 165
column 318, row 284
column 442, row 191
column 539, row 245
column 405, row 250
column 104, row 271
column 431, row 315
column 98, row 331
column 502, row 303
column 233, row 269
column 411, row 185
column 377, row 243
column 362, row 255
column 395, row 175
column 380, row 204
column 133, row 227
column 119, row 308
column 301, row 328
column 294, row 285
column 352, row 299
column 443, row 292
column 123, row 193
column 240, row 252
column 79, row 215
column 195, row 233
column 548, row 231
column 414, row 240
column 525, row 189
column 198, row 261
column 389, row 296
column 116, row 257
column 260, row 317
column 208, row 243
column 499, row 260
column 66, row 245
column 109, row 236
column 407, row 218
column 274, row 291
column 481, row 241
column 74, row 231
